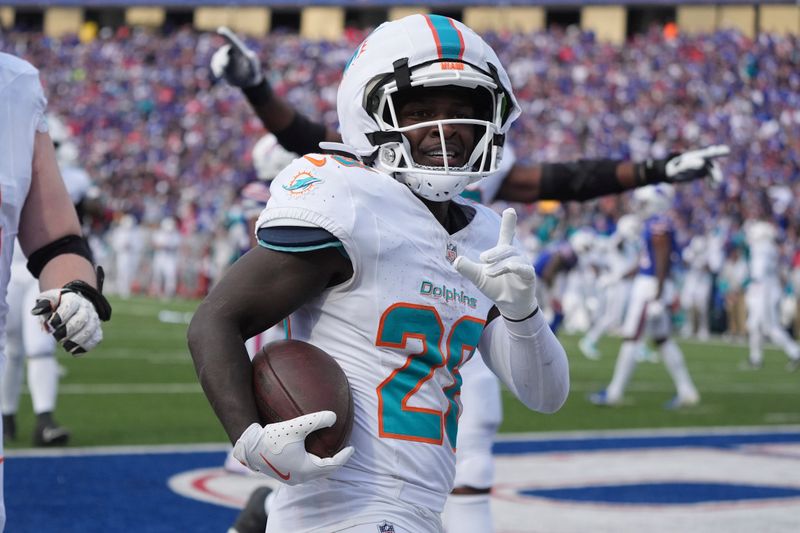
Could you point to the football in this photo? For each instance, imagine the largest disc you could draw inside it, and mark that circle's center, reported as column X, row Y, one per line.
column 292, row 378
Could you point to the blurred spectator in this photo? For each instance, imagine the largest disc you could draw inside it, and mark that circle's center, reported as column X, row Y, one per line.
column 161, row 138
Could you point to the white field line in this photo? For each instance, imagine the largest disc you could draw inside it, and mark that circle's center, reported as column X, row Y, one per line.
column 577, row 387
column 505, row 437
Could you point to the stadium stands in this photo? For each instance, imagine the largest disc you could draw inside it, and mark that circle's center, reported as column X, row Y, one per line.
column 611, row 21
column 162, row 137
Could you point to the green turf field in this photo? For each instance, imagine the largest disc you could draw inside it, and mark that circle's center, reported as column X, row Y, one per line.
column 139, row 387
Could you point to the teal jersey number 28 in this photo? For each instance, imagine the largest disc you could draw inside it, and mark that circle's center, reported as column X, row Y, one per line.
column 396, row 418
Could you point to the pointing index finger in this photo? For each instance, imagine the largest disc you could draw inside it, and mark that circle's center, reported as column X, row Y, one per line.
column 232, row 38
column 508, row 226
column 711, row 152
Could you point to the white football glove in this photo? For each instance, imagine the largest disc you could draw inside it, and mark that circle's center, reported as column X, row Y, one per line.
column 72, row 314
column 696, row 164
column 279, row 450
column 236, row 62
column 504, row 274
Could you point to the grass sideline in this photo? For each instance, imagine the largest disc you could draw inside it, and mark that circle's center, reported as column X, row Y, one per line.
column 139, row 387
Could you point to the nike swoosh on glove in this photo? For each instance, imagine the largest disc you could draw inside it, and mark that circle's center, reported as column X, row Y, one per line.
column 279, row 450
column 235, row 62
column 504, row 274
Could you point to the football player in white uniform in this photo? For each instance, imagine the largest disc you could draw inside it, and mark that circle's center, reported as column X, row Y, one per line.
column 127, row 241
column 36, row 209
column 696, row 291
column 383, row 265
column 648, row 315
column 166, row 243
column 513, row 181
column 763, row 294
column 623, row 249
column 26, row 340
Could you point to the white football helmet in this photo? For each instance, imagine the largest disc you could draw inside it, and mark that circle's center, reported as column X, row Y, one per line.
column 582, row 241
column 699, row 244
column 653, row 199
column 629, row 227
column 423, row 51
column 760, row 231
column 269, row 157
column 169, row 224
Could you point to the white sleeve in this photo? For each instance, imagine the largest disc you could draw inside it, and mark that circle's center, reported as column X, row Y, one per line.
column 312, row 191
column 529, row 360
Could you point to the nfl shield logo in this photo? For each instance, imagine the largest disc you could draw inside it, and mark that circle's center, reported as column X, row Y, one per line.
column 452, row 252
column 385, row 527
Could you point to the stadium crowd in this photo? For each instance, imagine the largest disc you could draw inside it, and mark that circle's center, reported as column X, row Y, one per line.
column 162, row 138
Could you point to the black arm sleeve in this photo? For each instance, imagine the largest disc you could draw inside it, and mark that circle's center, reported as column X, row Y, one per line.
column 69, row 244
column 301, row 136
column 579, row 180
column 260, row 94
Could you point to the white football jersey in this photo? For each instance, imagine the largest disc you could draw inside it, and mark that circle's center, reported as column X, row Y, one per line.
column 400, row 327
column 22, row 107
column 696, row 254
column 763, row 261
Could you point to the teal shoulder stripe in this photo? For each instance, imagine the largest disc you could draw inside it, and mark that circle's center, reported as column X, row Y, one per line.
column 474, row 195
column 337, row 244
column 449, row 38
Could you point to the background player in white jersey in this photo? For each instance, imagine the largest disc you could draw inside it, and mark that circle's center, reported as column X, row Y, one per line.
column 733, row 281
column 166, row 242
column 578, row 180
column 622, row 259
column 35, row 208
column 428, row 119
column 28, row 346
column 578, row 292
column 763, row 294
column 695, row 295
column 648, row 315
column 127, row 241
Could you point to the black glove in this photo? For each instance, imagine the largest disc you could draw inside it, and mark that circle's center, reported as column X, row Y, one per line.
column 236, row 62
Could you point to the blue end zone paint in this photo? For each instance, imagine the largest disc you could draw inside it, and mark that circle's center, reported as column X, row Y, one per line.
column 108, row 494
column 664, row 493
column 725, row 441
column 129, row 493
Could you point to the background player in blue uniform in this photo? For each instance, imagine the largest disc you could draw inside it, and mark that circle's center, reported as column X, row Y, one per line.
column 648, row 315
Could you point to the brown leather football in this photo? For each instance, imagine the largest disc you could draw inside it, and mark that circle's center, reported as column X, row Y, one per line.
column 292, row 378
